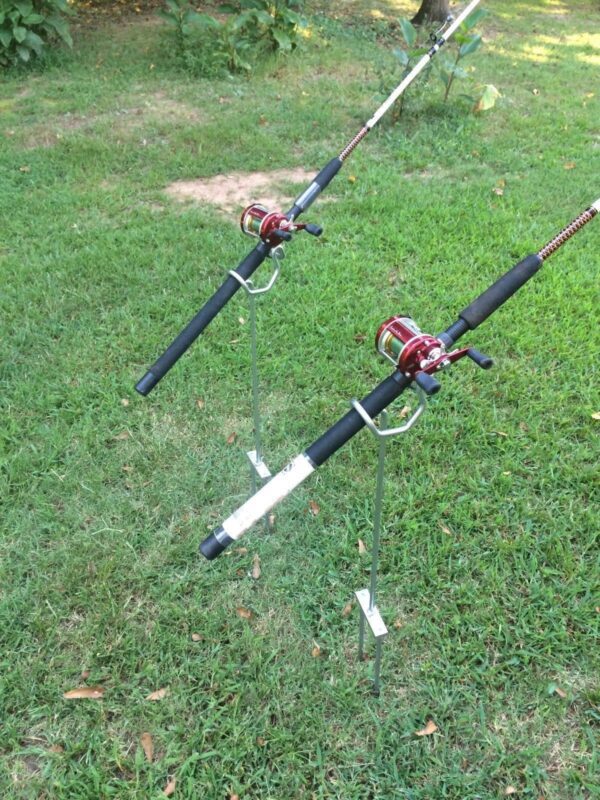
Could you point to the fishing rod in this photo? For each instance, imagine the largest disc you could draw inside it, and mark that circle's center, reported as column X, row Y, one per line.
column 274, row 228
column 417, row 357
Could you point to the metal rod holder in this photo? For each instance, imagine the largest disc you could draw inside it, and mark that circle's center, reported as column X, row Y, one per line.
column 369, row 613
column 259, row 472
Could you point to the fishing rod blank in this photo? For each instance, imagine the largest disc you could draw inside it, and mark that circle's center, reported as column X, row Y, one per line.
column 417, row 356
column 273, row 228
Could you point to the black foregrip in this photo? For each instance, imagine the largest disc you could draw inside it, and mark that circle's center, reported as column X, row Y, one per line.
column 329, row 171
column 322, row 179
column 488, row 302
column 206, row 314
column 374, row 403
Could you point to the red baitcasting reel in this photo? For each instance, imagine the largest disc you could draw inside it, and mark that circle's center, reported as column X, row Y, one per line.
column 419, row 355
column 273, row 227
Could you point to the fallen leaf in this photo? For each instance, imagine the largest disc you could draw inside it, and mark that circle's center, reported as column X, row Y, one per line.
column 261, row 741
column 234, row 797
column 148, row 746
column 85, row 674
column 535, row 91
column 510, row 790
column 169, row 788
column 120, row 437
column 271, row 520
column 597, row 609
column 351, row 178
column 392, row 278
column 199, row 403
column 560, row 692
column 244, row 613
column 361, row 547
column 231, row 438
column 347, row 609
column 497, row 190
column 262, row 120
column 241, row 320
column 159, row 694
column 316, row 651
column 360, row 338
column 25, row 169
column 314, row 508
column 256, row 567
column 500, row 433
column 488, row 99
column 124, row 401
column 430, row 728
column 507, row 472
column 596, row 415
column 445, row 529
column 85, row 692
column 127, row 468
column 404, row 412
column 398, row 624
column 241, row 551
column 56, row 748
column 570, row 165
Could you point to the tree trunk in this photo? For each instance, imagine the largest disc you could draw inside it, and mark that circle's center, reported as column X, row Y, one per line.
column 432, row 10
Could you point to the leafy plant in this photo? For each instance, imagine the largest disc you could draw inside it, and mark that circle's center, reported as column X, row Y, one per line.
column 275, row 22
column 26, row 26
column 206, row 45
column 464, row 43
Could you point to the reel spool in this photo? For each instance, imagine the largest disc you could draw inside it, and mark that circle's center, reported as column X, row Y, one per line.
column 272, row 227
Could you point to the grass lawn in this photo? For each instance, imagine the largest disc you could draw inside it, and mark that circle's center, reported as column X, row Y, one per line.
column 489, row 568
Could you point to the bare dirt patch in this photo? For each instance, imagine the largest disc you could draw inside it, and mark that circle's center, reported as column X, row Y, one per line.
column 230, row 193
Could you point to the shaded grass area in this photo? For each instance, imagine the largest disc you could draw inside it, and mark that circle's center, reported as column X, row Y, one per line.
column 489, row 572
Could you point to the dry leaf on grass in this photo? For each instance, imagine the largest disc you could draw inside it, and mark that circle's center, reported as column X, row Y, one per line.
column 596, row 415
column 347, row 610
column 170, row 787
column 316, row 651
column 314, row 508
column 231, row 438
column 445, row 529
column 234, row 797
column 361, row 547
column 159, row 694
column 124, row 402
column 271, row 520
column 244, row 613
column 430, row 728
column 120, row 437
column 196, row 637
column 148, row 746
column 85, row 674
column 199, row 403
column 404, row 412
column 510, row 790
column 256, row 567
column 351, row 178
column 56, row 748
column 85, row 693
column 570, row 165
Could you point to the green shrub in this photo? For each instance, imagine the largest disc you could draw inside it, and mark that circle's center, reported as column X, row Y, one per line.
column 26, row 26
column 446, row 64
column 208, row 46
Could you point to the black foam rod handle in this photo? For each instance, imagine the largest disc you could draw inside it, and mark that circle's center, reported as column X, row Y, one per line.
column 499, row 292
column 343, row 430
column 206, row 314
